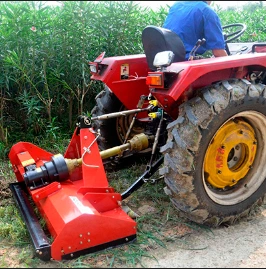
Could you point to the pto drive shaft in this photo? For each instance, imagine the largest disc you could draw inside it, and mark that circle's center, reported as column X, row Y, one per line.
column 59, row 168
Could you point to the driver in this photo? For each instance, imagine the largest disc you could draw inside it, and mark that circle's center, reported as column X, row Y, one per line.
column 194, row 20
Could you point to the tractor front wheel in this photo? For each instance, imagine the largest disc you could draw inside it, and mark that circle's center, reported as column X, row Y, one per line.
column 214, row 159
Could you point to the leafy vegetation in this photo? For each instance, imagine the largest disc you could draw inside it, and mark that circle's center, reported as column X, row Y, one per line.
column 45, row 50
column 45, row 85
column 44, row 77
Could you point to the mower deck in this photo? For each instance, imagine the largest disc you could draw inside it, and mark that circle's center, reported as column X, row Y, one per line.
column 69, row 245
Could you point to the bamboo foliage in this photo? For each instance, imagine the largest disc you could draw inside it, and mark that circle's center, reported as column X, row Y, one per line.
column 45, row 53
column 44, row 80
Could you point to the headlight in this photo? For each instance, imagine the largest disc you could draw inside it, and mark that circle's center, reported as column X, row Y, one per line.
column 93, row 67
column 163, row 58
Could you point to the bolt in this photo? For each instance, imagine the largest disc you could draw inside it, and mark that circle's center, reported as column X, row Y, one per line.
column 237, row 147
column 81, row 242
column 254, row 142
column 241, row 132
column 233, row 181
column 85, row 137
column 235, row 158
column 223, row 146
column 219, row 172
column 80, row 235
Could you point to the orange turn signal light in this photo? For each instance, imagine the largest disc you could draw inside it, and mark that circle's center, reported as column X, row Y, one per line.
column 154, row 80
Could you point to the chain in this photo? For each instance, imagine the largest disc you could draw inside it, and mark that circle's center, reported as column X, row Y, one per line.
column 152, row 180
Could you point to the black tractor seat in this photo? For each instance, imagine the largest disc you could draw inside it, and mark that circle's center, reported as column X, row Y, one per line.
column 157, row 39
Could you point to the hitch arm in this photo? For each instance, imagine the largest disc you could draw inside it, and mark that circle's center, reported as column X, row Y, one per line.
column 141, row 180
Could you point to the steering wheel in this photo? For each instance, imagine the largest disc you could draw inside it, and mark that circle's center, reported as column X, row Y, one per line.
column 241, row 28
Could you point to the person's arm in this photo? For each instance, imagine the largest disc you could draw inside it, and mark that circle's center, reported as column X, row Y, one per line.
column 213, row 33
column 219, row 52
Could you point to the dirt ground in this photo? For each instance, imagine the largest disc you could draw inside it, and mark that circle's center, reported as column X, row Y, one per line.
column 242, row 245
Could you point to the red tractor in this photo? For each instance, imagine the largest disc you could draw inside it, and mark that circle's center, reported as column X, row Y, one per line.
column 202, row 124
column 208, row 117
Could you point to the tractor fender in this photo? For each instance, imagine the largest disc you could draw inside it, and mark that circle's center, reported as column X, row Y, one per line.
column 194, row 75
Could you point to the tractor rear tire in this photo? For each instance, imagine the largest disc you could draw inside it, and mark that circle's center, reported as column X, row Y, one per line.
column 106, row 102
column 113, row 130
column 215, row 155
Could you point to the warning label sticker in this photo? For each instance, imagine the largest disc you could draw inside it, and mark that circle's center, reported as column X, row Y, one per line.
column 124, row 71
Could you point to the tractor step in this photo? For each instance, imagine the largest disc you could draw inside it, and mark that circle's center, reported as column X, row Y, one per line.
column 39, row 239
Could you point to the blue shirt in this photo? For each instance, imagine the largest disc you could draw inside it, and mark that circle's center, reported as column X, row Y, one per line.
column 193, row 20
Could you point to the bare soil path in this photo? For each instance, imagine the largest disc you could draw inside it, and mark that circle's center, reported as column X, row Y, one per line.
column 242, row 245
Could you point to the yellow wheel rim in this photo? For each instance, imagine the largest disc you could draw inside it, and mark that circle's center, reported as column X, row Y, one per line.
column 230, row 154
